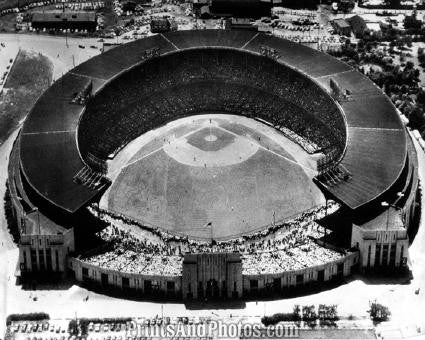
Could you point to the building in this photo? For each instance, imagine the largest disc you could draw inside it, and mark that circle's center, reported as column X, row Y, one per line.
column 44, row 245
column 161, row 25
column 383, row 242
column 341, row 27
column 212, row 276
column 64, row 20
column 358, row 25
column 264, row 28
column 197, row 5
column 205, row 12
column 216, row 275
column 239, row 24
column 374, row 28
column 44, row 251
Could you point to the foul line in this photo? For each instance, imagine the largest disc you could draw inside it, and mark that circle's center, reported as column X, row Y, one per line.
column 88, row 77
column 333, row 74
column 247, row 43
column 373, row 128
column 174, row 45
column 48, row 132
column 265, row 149
column 156, row 150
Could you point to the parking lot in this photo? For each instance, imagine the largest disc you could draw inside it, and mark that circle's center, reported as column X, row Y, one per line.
column 118, row 329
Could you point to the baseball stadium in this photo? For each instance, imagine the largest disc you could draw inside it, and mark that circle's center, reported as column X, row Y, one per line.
column 213, row 164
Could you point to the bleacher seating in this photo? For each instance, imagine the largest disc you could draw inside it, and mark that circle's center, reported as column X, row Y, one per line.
column 191, row 82
column 90, row 178
column 333, row 176
column 293, row 246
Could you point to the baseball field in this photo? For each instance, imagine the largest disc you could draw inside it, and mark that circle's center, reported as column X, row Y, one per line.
column 213, row 176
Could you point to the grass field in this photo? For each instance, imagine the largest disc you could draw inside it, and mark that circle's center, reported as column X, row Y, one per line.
column 236, row 196
column 29, row 78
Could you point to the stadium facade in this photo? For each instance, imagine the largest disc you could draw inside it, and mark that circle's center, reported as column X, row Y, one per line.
column 58, row 165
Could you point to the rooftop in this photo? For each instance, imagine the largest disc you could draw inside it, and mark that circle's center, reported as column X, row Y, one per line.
column 342, row 23
column 54, row 16
column 389, row 219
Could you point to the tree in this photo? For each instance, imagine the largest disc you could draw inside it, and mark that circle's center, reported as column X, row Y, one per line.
column 411, row 22
column 421, row 59
column 327, row 312
column 420, row 97
column 297, row 312
column 409, row 65
column 378, row 312
column 416, row 118
column 309, row 313
column 73, row 327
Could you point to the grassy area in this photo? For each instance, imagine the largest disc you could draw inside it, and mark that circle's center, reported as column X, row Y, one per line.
column 29, row 78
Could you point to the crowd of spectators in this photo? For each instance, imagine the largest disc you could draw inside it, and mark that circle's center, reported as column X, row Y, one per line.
column 130, row 261
column 288, row 246
column 270, row 262
column 255, row 240
column 190, row 82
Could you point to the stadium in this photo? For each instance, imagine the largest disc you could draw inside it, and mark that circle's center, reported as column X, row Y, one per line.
column 213, row 164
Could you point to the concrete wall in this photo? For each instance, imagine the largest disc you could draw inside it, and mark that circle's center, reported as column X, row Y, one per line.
column 265, row 281
column 309, row 275
column 137, row 281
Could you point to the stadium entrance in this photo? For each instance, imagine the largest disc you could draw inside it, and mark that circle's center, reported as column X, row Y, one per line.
column 212, row 291
column 215, row 276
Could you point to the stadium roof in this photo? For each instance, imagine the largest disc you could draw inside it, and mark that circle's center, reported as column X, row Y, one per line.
column 341, row 23
column 376, row 144
column 59, row 16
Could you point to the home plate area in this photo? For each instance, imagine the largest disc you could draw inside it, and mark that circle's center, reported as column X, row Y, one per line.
column 211, row 147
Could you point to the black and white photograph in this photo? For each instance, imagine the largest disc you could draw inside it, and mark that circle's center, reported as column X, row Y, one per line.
column 212, row 169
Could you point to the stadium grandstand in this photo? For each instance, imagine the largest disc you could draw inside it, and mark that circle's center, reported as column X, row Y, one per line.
column 272, row 221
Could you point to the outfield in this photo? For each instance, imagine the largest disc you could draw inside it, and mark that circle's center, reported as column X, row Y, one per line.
column 218, row 171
